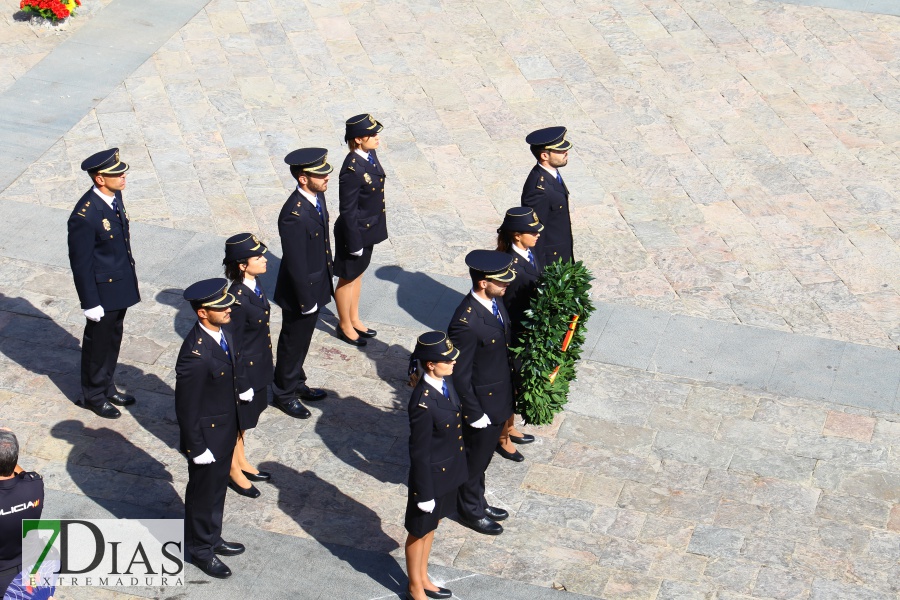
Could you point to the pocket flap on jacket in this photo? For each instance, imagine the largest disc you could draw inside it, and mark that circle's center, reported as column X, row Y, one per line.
column 108, row 277
column 442, row 465
column 213, row 421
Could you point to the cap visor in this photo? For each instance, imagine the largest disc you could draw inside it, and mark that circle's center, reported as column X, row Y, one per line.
column 320, row 170
column 116, row 170
column 506, row 277
column 225, row 302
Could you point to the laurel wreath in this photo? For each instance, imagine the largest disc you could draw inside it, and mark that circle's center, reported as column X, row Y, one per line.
column 550, row 343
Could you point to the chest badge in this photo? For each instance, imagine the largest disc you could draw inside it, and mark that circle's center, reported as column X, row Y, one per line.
column 367, row 178
column 106, row 224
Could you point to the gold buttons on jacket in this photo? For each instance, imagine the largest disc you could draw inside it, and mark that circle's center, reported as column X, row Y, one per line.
column 443, row 469
column 448, row 424
column 222, row 373
column 213, row 425
column 110, row 280
column 251, row 363
column 460, row 437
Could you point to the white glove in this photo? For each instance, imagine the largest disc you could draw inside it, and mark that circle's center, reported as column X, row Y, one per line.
column 314, row 309
column 204, row 459
column 358, row 253
column 481, row 423
column 426, row 506
column 95, row 314
column 246, row 396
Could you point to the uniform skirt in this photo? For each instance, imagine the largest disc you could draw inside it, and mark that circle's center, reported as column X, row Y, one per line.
column 349, row 267
column 248, row 412
column 419, row 522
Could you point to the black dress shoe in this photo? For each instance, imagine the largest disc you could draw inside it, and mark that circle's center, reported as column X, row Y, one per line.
column 483, row 525
column 358, row 342
column 213, row 567
column 440, row 593
column 104, row 409
column 312, row 394
column 369, row 333
column 229, row 548
column 294, row 408
column 526, row 438
column 497, row 514
column 121, row 399
column 261, row 476
column 252, row 492
column 514, row 456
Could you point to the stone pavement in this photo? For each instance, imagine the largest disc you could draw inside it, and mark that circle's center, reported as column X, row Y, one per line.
column 733, row 433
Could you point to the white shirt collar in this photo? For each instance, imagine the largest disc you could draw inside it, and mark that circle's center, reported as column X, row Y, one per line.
column 520, row 252
column 107, row 199
column 485, row 303
column 311, row 197
column 216, row 335
column 437, row 384
column 362, row 153
column 550, row 170
column 250, row 282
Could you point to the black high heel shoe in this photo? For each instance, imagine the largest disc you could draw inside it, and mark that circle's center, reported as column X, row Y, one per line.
column 369, row 333
column 358, row 342
column 249, row 493
column 261, row 476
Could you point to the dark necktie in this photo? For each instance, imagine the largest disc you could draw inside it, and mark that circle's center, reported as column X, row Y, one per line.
column 496, row 311
column 115, row 206
column 531, row 258
column 224, row 345
column 446, row 391
column 319, row 210
column 258, row 290
column 559, row 178
column 371, row 159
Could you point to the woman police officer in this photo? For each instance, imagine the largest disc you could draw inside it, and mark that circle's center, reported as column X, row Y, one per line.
column 436, row 454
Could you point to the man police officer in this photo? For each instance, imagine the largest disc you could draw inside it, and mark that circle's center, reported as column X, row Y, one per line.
column 103, row 268
column 545, row 192
column 480, row 329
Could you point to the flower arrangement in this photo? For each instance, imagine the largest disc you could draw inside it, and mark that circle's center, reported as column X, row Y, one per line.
column 52, row 10
column 550, row 345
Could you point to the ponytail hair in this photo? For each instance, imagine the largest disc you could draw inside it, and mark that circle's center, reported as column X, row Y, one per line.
column 415, row 371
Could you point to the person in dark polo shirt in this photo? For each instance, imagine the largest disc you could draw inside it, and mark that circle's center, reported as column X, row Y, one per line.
column 21, row 497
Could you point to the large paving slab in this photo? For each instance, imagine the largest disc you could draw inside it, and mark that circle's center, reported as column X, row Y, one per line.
column 733, row 160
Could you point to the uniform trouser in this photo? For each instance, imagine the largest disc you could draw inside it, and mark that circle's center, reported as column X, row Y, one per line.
column 480, row 445
column 204, row 506
column 99, row 355
column 293, row 344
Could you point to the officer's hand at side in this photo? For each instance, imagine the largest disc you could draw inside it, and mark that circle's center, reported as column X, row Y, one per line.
column 206, row 458
column 481, row 423
column 357, row 253
column 426, row 506
column 246, row 396
column 95, row 314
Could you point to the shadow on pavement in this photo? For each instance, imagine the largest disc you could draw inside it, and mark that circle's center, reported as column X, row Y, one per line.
column 338, row 522
column 115, row 473
column 426, row 300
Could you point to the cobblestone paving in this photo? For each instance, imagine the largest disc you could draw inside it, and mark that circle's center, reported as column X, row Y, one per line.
column 734, row 159
column 648, row 486
column 23, row 45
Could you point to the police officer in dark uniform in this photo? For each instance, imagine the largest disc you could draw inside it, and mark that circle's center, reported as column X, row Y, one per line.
column 206, row 396
column 517, row 236
column 304, row 280
column 362, row 223
column 480, row 329
column 21, row 497
column 545, row 192
column 103, row 268
column 436, row 455
column 244, row 262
